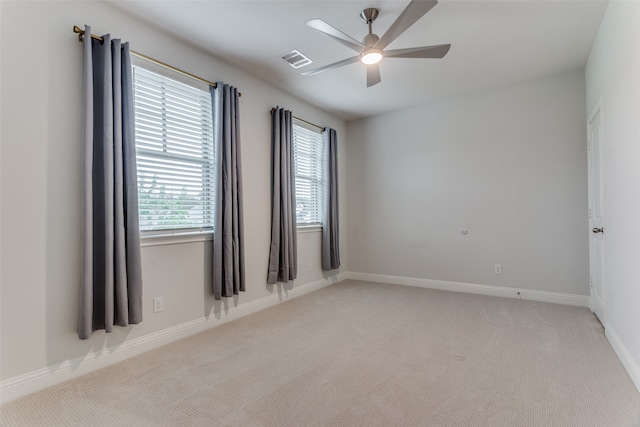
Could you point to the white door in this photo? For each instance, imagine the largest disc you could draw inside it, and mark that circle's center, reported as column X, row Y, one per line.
column 596, row 215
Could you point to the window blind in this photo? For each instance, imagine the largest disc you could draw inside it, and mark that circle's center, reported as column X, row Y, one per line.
column 175, row 153
column 307, row 146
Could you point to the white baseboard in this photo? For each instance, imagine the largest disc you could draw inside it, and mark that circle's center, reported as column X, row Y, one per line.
column 21, row 385
column 629, row 363
column 473, row 288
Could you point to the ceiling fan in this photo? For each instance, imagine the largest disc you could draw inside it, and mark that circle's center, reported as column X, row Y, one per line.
column 371, row 50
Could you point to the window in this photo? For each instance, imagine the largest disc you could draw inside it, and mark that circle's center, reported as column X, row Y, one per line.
column 307, row 153
column 175, row 151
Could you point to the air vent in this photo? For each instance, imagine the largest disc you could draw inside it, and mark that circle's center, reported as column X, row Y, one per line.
column 296, row 59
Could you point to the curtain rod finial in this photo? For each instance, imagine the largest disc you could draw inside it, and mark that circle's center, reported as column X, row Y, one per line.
column 78, row 31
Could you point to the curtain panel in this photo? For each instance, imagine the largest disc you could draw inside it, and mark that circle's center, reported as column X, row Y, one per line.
column 111, row 282
column 330, row 229
column 228, row 234
column 283, row 253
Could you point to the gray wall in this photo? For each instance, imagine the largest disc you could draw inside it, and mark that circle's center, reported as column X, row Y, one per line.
column 40, row 182
column 509, row 165
column 613, row 75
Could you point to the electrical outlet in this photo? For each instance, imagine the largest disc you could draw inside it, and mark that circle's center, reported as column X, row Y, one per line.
column 497, row 269
column 158, row 304
column 310, row 267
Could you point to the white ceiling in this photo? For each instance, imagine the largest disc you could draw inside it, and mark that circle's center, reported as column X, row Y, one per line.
column 493, row 43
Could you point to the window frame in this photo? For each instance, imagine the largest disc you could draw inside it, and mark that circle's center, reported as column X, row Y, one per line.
column 319, row 179
column 165, row 236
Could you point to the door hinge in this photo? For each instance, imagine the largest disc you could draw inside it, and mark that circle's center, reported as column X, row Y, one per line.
column 588, row 145
column 589, row 213
column 591, row 282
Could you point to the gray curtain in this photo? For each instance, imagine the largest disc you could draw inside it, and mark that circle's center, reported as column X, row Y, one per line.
column 228, row 235
column 330, row 235
column 283, row 255
column 111, row 288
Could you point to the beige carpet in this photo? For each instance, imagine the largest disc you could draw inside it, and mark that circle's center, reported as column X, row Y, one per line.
column 362, row 354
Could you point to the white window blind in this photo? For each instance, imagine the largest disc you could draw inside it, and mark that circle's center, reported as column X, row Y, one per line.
column 307, row 146
column 175, row 153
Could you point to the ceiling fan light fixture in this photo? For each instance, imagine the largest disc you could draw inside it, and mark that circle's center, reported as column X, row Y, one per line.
column 371, row 56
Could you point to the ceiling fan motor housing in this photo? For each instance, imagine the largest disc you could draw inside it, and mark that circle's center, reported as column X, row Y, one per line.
column 370, row 40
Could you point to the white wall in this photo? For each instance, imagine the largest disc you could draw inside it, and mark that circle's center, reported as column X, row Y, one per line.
column 509, row 165
column 41, row 169
column 613, row 75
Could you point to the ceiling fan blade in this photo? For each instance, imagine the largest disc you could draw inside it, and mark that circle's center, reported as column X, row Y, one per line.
column 414, row 11
column 438, row 51
column 373, row 75
column 332, row 66
column 334, row 33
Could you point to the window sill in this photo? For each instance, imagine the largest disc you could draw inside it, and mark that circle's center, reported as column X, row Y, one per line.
column 309, row 229
column 175, row 238
column 199, row 236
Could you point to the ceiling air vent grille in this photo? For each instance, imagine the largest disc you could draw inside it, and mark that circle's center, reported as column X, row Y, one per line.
column 296, row 59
